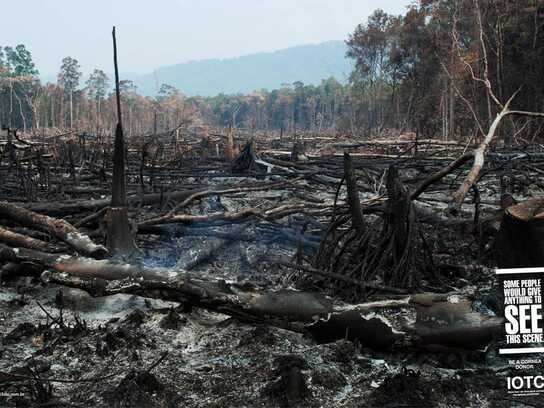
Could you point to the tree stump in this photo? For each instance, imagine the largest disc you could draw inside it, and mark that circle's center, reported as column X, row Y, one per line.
column 120, row 235
column 520, row 240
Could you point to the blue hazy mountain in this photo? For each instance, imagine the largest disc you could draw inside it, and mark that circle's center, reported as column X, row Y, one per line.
column 306, row 63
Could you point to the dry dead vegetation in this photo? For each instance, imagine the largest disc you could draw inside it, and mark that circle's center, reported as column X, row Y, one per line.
column 258, row 270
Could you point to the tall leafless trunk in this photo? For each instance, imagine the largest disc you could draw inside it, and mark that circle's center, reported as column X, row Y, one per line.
column 120, row 237
column 71, row 108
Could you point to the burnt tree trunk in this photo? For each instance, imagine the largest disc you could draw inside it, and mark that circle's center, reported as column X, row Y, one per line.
column 19, row 240
column 520, row 240
column 60, row 229
column 245, row 161
column 399, row 228
column 353, row 195
column 434, row 319
column 120, row 237
column 394, row 253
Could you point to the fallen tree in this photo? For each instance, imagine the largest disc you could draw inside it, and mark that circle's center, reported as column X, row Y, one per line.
column 238, row 216
column 479, row 154
column 406, row 321
column 79, row 206
column 58, row 228
column 15, row 239
column 171, row 215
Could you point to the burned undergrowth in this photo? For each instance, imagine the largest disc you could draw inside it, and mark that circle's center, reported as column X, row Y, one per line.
column 224, row 304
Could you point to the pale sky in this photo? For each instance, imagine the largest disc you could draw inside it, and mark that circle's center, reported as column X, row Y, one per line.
column 153, row 33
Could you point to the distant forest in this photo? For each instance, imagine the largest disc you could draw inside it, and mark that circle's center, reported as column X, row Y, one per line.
column 426, row 71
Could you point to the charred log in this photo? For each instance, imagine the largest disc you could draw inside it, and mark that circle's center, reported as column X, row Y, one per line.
column 439, row 319
column 58, row 228
column 15, row 239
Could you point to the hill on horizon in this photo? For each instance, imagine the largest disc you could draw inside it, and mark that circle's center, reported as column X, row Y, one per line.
column 267, row 70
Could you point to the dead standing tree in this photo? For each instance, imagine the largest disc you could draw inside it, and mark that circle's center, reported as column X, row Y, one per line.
column 120, row 235
column 479, row 153
column 503, row 111
column 387, row 251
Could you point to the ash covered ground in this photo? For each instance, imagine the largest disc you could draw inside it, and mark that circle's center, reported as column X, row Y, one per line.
column 129, row 351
